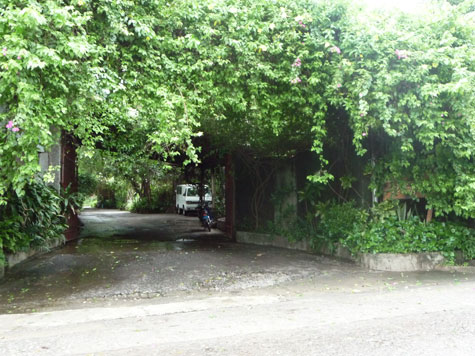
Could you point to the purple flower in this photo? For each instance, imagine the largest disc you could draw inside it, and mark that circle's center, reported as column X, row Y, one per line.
column 15, row 129
column 9, row 125
column 335, row 49
column 4, row 50
column 401, row 54
column 297, row 63
column 364, row 134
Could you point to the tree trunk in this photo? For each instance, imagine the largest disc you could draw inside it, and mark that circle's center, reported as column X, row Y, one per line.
column 146, row 191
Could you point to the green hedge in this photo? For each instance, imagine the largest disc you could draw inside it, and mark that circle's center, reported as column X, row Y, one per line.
column 386, row 230
column 161, row 201
column 412, row 235
column 31, row 220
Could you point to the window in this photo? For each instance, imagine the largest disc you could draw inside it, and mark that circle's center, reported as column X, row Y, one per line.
column 192, row 192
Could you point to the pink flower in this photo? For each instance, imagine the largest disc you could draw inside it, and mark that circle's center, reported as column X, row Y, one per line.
column 362, row 114
column 335, row 49
column 4, row 50
column 297, row 63
column 401, row 54
column 364, row 134
column 9, row 125
column 15, row 129
column 296, row 80
column 302, row 24
column 19, row 57
column 338, row 85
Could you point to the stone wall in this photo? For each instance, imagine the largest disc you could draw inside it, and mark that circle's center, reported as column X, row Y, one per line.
column 271, row 240
column 281, row 241
column 285, row 210
column 15, row 258
column 380, row 261
column 398, row 262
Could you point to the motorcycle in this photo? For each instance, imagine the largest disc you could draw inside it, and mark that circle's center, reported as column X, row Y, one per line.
column 205, row 216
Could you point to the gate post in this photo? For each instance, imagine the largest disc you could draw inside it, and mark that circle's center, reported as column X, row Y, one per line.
column 69, row 179
column 230, row 198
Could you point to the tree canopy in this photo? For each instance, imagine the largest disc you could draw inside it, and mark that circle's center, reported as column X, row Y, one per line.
column 269, row 75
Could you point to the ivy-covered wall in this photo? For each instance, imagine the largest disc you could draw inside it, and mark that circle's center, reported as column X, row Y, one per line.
column 278, row 190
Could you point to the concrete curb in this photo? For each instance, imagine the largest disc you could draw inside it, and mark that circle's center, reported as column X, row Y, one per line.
column 246, row 237
column 391, row 262
column 16, row 258
column 459, row 269
column 402, row 262
column 271, row 240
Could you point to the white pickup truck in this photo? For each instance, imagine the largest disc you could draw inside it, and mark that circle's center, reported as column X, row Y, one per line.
column 188, row 199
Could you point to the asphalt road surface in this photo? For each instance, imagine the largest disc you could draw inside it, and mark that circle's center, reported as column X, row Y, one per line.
column 424, row 321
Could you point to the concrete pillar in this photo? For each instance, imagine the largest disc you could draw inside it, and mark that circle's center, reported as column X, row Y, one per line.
column 51, row 159
column 230, row 198
column 55, row 161
column 285, row 211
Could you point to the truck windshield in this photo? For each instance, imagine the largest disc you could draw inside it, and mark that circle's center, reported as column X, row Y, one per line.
column 193, row 192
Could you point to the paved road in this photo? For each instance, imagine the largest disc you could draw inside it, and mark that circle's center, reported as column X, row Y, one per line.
column 130, row 257
column 160, row 285
column 424, row 321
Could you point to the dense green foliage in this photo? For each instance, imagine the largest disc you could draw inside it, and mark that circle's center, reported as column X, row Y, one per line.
column 389, row 228
column 337, row 221
column 403, row 236
column 90, row 68
column 142, row 186
column 410, row 92
column 33, row 219
column 162, row 200
column 142, row 76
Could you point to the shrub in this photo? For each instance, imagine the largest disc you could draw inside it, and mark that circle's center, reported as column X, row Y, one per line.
column 389, row 228
column 161, row 201
column 32, row 219
column 412, row 235
column 337, row 221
